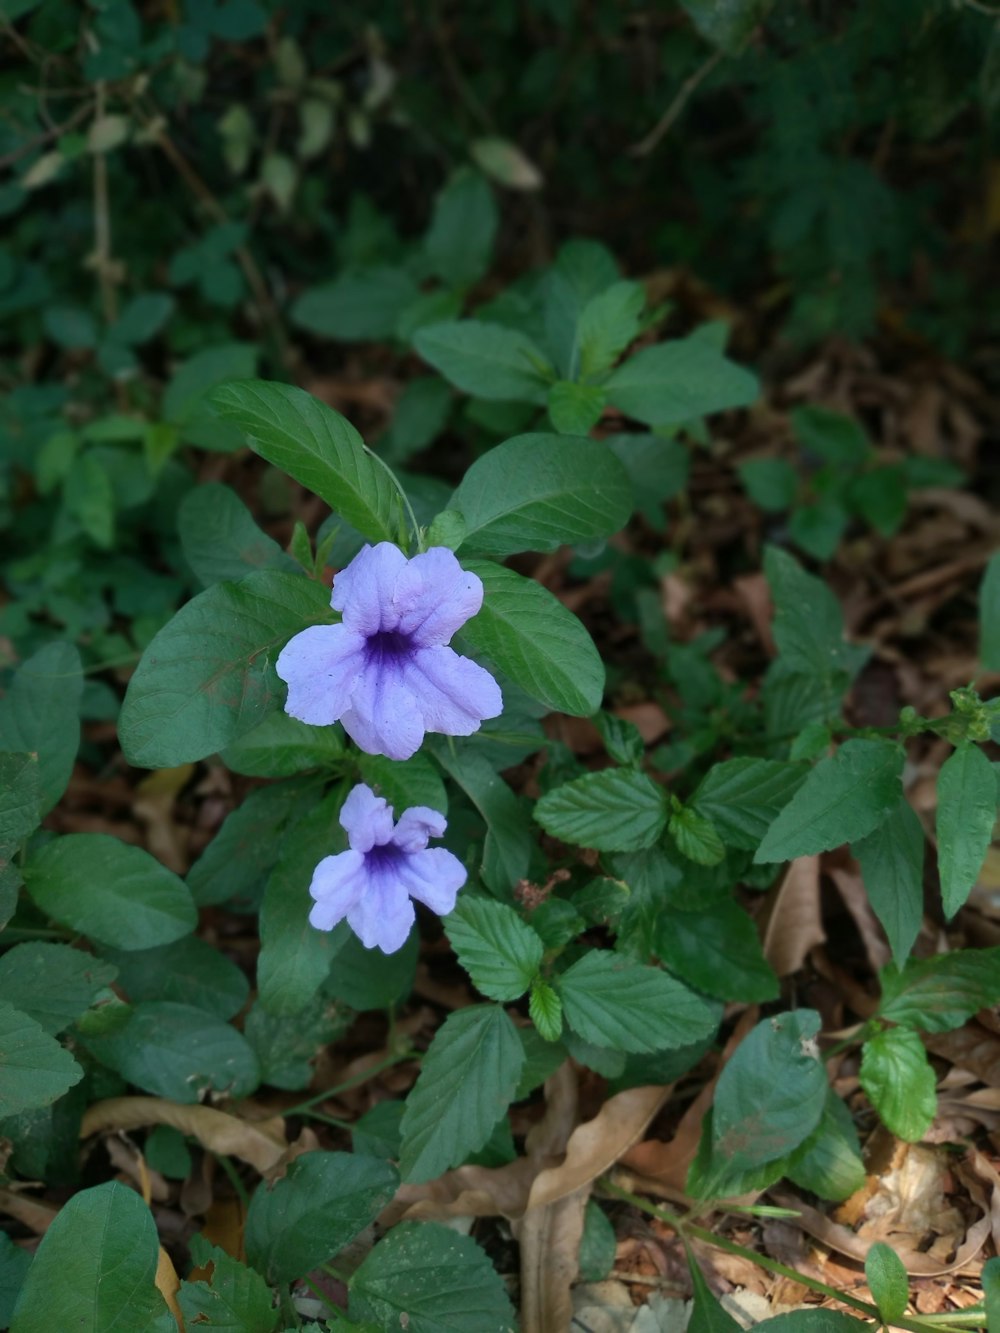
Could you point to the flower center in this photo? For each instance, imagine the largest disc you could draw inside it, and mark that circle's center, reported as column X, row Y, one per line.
column 383, row 857
column 386, row 647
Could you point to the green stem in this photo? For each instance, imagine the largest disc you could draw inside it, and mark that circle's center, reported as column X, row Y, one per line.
column 363, row 1077
column 328, row 1120
column 402, row 495
column 686, row 1229
column 234, row 1179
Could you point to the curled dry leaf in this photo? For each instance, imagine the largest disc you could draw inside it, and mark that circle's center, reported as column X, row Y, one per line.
column 794, row 924
column 169, row 1284
column 33, row 1213
column 972, row 1047
column 262, row 1144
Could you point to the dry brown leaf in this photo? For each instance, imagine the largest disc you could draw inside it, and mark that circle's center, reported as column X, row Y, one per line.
column 262, row 1144
column 852, row 890
column 169, row 1284
column 794, row 924
column 153, row 806
column 549, row 1238
column 35, row 1214
column 971, row 1047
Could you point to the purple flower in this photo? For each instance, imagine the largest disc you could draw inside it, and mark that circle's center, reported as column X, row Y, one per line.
column 387, row 865
column 386, row 672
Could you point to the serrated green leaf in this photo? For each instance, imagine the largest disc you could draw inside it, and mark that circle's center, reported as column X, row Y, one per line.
column 892, row 868
column 546, row 1011
column 52, row 983
column 132, row 901
column 696, row 837
column 677, row 381
column 743, row 797
column 575, row 409
column 486, row 360
column 440, row 1280
column 34, row 1068
column 843, row 799
column 808, row 623
column 40, row 714
column 770, row 1096
column 538, row 492
column 614, row 1002
column 717, row 950
column 533, row 639
column 829, row 1162
column 966, row 813
column 900, row 1083
column 316, row 1209
column 220, row 540
column 500, row 952
column 207, row 678
column 236, row 1300
column 467, row 1081
column 318, row 447
column 940, row 993
column 887, row 1281
column 96, row 1269
column 617, row 809
column 608, row 323
column 179, row 1052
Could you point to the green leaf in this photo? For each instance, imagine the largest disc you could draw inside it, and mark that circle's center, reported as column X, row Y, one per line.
column 40, row 714
column 90, row 498
column 295, row 957
column 70, row 327
column 612, row 1001
column 892, row 868
column 131, row 900
column 843, row 799
column 966, row 813
column 500, row 952
column 318, row 1207
column 989, row 614
column 991, row 1294
column 95, row 1269
column 318, row 448
column 363, row 304
column 208, row 676
column 813, row 1320
column 818, row 528
column 771, row 483
column 282, row 746
column 743, row 797
column 177, row 1051
column 238, row 860
column 575, row 409
column 52, row 983
column 14, row 1265
column 900, row 1083
column 528, row 633
column 433, row 1278
column 539, row 492
column 940, row 993
column 887, row 1281
column 506, row 163
column 727, row 26
column 808, row 624
column 20, row 798
column 287, row 1046
column 696, row 837
column 459, row 240
column 837, row 439
column 143, row 318
column 220, row 539
column 713, row 1176
column 770, row 1096
column 598, row 1244
column 34, row 1068
column 486, row 360
column 658, row 470
column 707, row 1314
column 507, row 849
column 677, row 381
column 405, row 782
column 545, row 1011
column 717, row 950
column 617, row 809
column 608, row 323
column 369, row 979
column 467, row 1080
column 829, row 1162
column 237, row 1300
column 189, row 971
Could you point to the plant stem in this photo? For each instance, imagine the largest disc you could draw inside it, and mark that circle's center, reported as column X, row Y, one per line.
column 401, row 493
column 234, row 1179
column 687, row 1230
column 358, row 1079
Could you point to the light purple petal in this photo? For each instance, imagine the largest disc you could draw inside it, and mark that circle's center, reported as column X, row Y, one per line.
column 435, row 596
column 416, row 826
column 384, row 916
column 367, row 819
column 338, row 884
column 434, row 877
column 454, row 694
column 363, row 592
column 384, row 717
column 320, row 667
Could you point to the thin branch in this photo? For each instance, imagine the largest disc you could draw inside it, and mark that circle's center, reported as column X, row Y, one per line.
column 645, row 146
column 39, row 141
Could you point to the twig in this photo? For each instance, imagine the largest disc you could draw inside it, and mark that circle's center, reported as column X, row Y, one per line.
column 9, row 159
column 645, row 146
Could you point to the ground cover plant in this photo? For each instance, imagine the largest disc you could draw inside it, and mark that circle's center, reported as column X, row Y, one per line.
column 497, row 734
